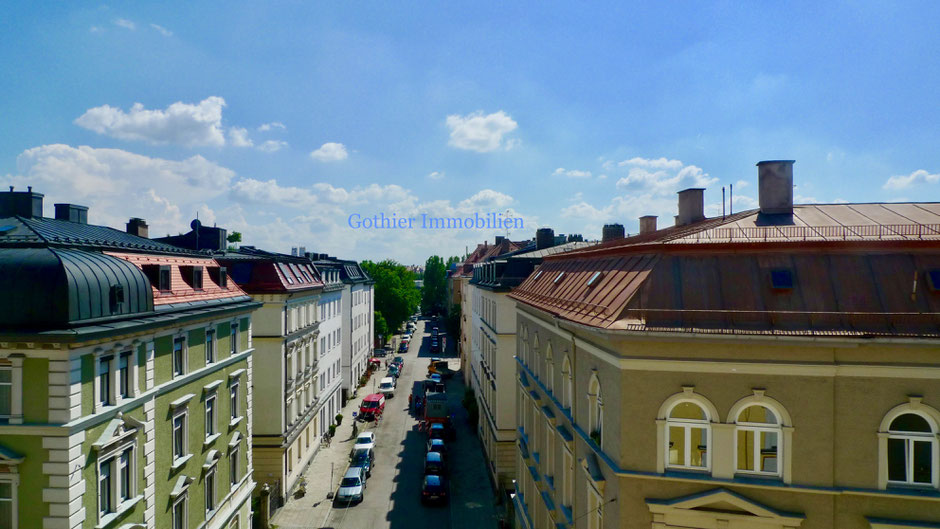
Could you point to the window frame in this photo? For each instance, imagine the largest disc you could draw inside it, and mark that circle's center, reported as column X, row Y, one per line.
column 182, row 499
column 759, row 430
column 182, row 451
column 181, row 369
column 663, row 422
column 111, row 459
column 932, row 416
column 233, row 338
column 210, row 488
column 211, row 416
column 13, row 480
column 210, row 343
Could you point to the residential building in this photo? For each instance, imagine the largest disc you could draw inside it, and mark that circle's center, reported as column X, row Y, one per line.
column 492, row 363
column 358, row 315
column 330, row 316
column 125, row 377
column 774, row 368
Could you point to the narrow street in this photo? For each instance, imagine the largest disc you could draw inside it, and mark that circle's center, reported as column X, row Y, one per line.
column 393, row 493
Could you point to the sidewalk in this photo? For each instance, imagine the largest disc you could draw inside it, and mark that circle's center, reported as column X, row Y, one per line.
column 311, row 510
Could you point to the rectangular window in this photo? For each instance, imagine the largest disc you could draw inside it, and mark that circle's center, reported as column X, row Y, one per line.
column 179, row 357
column 164, row 283
column 210, row 490
column 179, row 513
column 105, row 500
column 179, row 436
column 104, row 380
column 197, row 277
column 124, row 374
column 233, row 400
column 234, row 339
column 210, row 347
column 7, row 507
column 124, row 467
column 233, row 465
column 6, row 392
column 210, row 416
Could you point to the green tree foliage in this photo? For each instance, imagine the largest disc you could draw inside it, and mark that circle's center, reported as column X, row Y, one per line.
column 234, row 238
column 434, row 292
column 452, row 260
column 380, row 326
column 396, row 297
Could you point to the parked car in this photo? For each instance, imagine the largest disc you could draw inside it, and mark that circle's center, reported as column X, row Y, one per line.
column 353, row 487
column 440, row 367
column 434, row 489
column 403, row 347
column 365, row 440
column 380, row 353
column 437, row 431
column 372, row 406
column 434, row 464
column 363, row 458
column 434, row 332
column 400, row 361
column 394, row 371
column 437, row 445
column 435, row 346
column 387, row 387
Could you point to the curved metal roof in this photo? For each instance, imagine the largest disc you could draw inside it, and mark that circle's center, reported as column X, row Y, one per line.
column 43, row 287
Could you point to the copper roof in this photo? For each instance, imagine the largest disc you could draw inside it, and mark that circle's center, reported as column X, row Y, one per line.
column 856, row 269
column 487, row 251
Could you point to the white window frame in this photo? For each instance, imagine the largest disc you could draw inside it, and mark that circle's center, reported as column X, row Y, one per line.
column 184, row 354
column 567, row 491
column 233, row 339
column 235, row 409
column 759, row 430
column 13, row 479
column 184, row 450
column 211, row 487
column 112, row 458
column 596, row 409
column 184, row 500
column 233, row 463
column 212, row 422
column 932, row 416
column 211, row 349
column 15, row 366
column 663, row 422
column 111, row 398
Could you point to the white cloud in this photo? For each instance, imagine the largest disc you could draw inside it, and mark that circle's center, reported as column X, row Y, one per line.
column 124, row 23
column 571, row 173
column 487, row 198
column 917, row 177
column 238, row 137
column 117, row 184
column 436, row 175
column 330, row 152
column 651, row 163
column 181, row 123
column 272, row 145
column 662, row 177
column 162, row 30
column 270, row 126
column 476, row 132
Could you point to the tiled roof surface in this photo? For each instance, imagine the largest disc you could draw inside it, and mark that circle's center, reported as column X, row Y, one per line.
column 262, row 271
column 855, row 269
column 182, row 291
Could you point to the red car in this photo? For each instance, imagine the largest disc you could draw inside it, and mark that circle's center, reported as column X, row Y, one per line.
column 372, row 406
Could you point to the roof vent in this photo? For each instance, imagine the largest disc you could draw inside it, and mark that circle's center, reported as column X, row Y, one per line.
column 72, row 213
column 23, row 203
column 647, row 224
column 691, row 206
column 612, row 232
column 775, row 186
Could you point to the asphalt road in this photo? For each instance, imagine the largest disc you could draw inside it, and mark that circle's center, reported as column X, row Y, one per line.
column 393, row 493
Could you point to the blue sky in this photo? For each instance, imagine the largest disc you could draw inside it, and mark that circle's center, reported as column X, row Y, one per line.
column 280, row 120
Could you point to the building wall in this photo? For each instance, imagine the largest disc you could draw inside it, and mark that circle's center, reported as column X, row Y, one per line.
column 835, row 393
column 330, row 357
column 357, row 323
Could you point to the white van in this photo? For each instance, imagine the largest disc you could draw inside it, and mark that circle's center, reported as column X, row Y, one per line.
column 387, row 387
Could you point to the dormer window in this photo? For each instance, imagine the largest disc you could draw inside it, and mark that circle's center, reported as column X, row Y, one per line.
column 165, row 285
column 197, row 277
column 781, row 279
column 219, row 275
column 159, row 276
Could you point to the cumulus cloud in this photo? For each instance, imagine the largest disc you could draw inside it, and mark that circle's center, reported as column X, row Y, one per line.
column 476, row 132
column 330, row 152
column 238, row 137
column 162, row 30
column 487, row 198
column 919, row 176
column 124, row 23
column 181, row 123
column 661, row 176
column 270, row 126
column 436, row 175
column 272, row 145
column 651, row 163
column 571, row 173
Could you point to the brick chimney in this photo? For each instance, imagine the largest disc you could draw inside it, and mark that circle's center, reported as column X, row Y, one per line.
column 72, row 213
column 23, row 203
column 647, row 224
column 775, row 186
column 612, row 232
column 691, row 206
column 137, row 226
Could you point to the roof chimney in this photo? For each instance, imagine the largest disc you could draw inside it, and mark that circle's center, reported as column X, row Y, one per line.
column 23, row 203
column 137, row 226
column 775, row 186
column 612, row 232
column 647, row 224
column 544, row 238
column 691, row 206
column 499, row 240
column 72, row 213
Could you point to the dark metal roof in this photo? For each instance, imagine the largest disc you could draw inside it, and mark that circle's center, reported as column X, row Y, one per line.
column 42, row 287
column 54, row 232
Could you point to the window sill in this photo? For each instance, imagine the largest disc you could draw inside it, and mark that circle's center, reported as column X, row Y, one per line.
column 211, row 439
column 110, row 518
column 234, row 422
column 180, row 461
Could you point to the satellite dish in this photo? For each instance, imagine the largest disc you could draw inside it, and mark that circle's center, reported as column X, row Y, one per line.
column 195, row 224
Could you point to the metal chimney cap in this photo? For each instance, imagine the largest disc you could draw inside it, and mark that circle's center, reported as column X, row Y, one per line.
column 774, row 161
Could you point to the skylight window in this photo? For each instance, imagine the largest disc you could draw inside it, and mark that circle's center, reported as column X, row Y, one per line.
column 557, row 279
column 537, row 275
column 595, row 278
column 781, row 279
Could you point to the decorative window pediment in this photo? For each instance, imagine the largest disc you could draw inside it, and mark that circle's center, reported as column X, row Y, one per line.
column 120, row 429
column 719, row 505
column 9, row 458
column 592, row 468
column 181, row 486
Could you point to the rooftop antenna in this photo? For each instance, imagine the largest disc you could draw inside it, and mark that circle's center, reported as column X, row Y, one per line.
column 730, row 199
column 508, row 212
column 722, row 202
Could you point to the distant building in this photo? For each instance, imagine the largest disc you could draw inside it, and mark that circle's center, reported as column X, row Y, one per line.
column 125, row 377
column 775, row 368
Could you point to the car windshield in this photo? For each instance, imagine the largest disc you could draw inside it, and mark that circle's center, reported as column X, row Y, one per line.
column 361, row 453
column 350, row 482
column 432, row 480
column 363, row 440
column 386, row 385
column 370, row 404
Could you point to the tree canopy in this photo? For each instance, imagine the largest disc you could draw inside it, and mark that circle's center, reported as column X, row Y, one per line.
column 434, row 292
column 396, row 297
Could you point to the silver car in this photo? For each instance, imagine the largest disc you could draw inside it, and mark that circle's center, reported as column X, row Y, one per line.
column 353, row 487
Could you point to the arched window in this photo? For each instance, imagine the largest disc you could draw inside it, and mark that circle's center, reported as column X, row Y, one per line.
column 908, row 446
column 685, row 419
column 549, row 370
column 595, row 411
column 567, row 387
column 758, row 436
